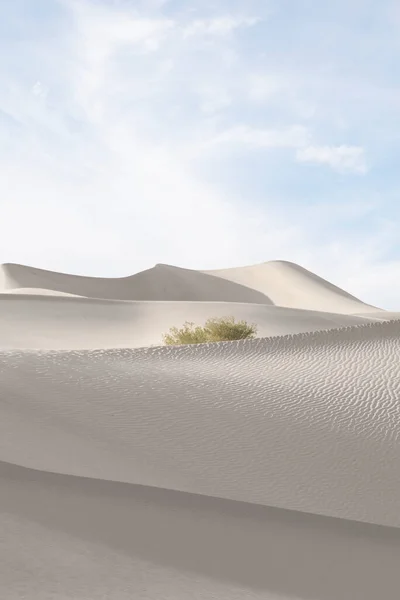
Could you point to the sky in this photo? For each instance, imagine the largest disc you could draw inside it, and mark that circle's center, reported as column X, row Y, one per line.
column 202, row 134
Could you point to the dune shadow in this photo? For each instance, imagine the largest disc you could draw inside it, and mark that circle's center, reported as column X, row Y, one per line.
column 266, row 549
column 174, row 283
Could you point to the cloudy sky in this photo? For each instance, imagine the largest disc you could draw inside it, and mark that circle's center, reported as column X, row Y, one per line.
column 204, row 134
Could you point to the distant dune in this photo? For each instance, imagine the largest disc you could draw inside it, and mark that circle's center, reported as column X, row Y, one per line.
column 160, row 283
column 259, row 469
column 288, row 284
column 274, row 283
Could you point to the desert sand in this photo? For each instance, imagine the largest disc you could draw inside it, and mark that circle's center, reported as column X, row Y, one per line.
column 266, row 468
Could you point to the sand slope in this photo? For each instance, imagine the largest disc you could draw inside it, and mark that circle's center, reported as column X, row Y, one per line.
column 80, row 539
column 53, row 322
column 307, row 422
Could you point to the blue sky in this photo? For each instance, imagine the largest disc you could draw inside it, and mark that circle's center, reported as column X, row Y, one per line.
column 202, row 134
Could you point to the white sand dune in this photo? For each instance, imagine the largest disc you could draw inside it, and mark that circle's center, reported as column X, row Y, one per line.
column 160, row 283
column 64, row 322
column 42, row 309
column 275, row 283
column 265, row 468
column 288, row 284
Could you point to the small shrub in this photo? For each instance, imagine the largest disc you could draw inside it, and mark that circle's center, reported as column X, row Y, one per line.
column 215, row 330
column 188, row 334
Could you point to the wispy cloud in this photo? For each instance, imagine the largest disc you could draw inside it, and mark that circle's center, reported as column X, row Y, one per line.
column 218, row 25
column 341, row 158
column 140, row 132
column 290, row 137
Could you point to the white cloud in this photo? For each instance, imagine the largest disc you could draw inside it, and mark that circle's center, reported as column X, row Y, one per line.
column 297, row 137
column 290, row 137
column 114, row 177
column 219, row 26
column 100, row 34
column 340, row 158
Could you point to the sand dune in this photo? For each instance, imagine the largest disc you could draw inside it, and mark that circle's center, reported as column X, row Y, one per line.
column 276, row 283
column 288, row 284
column 265, row 468
column 42, row 309
column 160, row 283
column 64, row 322
column 307, row 422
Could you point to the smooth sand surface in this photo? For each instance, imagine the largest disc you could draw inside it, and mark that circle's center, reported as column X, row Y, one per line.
column 36, row 292
column 78, row 539
column 266, row 468
column 62, row 322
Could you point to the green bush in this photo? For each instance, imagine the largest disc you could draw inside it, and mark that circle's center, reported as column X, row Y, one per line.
column 215, row 330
